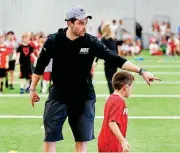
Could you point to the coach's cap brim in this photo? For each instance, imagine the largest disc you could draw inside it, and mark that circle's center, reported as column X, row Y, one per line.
column 81, row 17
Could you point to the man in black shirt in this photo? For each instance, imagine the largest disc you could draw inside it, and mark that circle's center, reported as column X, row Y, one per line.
column 72, row 93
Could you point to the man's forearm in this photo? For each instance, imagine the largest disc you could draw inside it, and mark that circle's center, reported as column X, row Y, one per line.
column 128, row 66
column 35, row 79
column 115, row 129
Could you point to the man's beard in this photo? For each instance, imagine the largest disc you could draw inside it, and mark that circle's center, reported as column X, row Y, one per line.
column 78, row 34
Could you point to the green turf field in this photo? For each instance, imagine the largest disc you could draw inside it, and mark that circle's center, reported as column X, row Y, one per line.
column 154, row 122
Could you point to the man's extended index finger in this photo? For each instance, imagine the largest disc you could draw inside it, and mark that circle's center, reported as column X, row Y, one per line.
column 158, row 79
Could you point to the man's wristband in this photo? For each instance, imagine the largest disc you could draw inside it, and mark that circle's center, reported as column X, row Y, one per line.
column 141, row 71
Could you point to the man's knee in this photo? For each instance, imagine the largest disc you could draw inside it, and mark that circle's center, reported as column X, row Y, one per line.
column 49, row 147
column 81, row 146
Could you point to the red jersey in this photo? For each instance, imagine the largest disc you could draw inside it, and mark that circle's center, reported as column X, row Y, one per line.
column 172, row 45
column 32, row 44
column 36, row 47
column 115, row 110
column 4, row 52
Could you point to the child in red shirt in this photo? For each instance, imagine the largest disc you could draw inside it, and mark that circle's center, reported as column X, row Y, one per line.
column 112, row 137
column 4, row 60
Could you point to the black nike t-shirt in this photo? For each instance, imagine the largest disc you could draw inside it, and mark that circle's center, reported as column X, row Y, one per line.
column 72, row 62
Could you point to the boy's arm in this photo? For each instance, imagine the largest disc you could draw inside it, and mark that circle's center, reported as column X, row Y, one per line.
column 114, row 123
column 17, row 58
column 7, row 62
column 115, row 129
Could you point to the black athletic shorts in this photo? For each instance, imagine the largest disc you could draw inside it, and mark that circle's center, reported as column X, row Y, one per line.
column 26, row 72
column 11, row 65
column 55, row 113
column 119, row 43
column 3, row 72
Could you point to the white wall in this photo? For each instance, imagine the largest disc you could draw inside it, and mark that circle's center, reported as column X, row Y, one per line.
column 147, row 9
column 48, row 15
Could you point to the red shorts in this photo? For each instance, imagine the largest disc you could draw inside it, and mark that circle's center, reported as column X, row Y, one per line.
column 158, row 53
column 47, row 76
column 110, row 148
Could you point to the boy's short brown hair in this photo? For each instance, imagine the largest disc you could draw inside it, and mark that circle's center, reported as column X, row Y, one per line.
column 122, row 78
column 25, row 34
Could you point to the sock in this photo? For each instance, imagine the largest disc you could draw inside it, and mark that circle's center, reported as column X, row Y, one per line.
column 27, row 84
column 1, row 88
column 6, row 80
column 22, row 86
column 44, row 86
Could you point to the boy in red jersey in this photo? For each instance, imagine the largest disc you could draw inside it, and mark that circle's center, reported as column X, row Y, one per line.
column 112, row 137
column 13, row 45
column 4, row 60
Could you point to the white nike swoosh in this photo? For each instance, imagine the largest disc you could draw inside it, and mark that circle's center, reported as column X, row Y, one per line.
column 44, row 48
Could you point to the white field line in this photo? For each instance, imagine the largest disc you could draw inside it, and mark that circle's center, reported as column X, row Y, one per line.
column 146, row 59
column 97, row 117
column 136, row 82
column 88, row 151
column 168, row 60
column 102, row 72
column 152, row 66
column 164, row 73
column 99, row 95
column 143, row 82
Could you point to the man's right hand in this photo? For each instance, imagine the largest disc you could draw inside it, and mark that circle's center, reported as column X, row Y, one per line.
column 125, row 146
column 34, row 97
